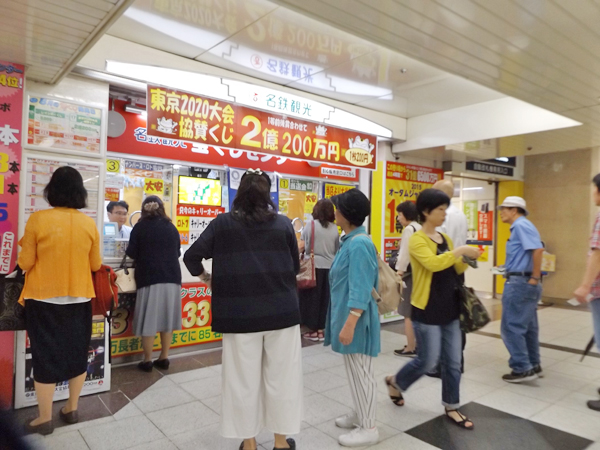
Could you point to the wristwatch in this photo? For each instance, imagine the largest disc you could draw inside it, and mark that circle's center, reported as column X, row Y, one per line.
column 535, row 278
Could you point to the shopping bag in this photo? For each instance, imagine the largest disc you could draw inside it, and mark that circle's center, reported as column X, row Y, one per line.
column 12, row 313
column 125, row 278
column 473, row 315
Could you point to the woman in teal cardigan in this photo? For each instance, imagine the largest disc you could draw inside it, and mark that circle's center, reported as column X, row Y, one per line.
column 353, row 320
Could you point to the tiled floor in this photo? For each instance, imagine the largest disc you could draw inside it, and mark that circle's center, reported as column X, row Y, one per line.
column 179, row 409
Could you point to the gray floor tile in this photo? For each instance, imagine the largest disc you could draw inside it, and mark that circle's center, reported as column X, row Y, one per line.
column 196, row 374
column 206, row 438
column 404, row 418
column 324, row 360
column 128, row 411
column 321, row 381
column 163, row 444
column 121, row 434
column 319, row 409
column 183, row 418
column 65, row 441
column 214, row 403
column 332, row 430
column 205, row 388
column 154, row 400
column 402, row 441
column 511, row 403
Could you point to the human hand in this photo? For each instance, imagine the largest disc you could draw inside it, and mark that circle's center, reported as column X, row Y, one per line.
column 347, row 334
column 472, row 252
column 533, row 282
column 582, row 294
column 400, row 273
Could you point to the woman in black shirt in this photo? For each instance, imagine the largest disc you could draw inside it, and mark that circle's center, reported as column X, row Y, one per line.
column 155, row 246
column 435, row 308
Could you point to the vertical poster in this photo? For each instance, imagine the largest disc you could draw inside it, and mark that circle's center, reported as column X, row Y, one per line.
column 11, row 136
column 480, row 219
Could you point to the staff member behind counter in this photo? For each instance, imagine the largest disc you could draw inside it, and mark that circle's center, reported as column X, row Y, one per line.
column 117, row 212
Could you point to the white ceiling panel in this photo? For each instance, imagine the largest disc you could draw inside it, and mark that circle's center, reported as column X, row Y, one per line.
column 49, row 36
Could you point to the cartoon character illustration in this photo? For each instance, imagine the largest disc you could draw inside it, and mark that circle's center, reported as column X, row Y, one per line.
column 166, row 125
column 361, row 144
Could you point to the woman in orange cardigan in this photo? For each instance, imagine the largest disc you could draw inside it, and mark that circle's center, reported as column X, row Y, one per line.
column 60, row 250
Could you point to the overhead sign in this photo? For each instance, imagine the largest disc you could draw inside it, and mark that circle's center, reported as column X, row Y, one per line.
column 183, row 116
column 493, row 169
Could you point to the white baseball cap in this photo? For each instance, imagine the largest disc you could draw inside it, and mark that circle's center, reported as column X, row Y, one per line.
column 514, row 202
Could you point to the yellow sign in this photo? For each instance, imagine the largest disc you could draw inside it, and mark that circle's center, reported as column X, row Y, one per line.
column 181, row 338
column 154, row 186
column 336, row 189
column 113, row 165
column 397, row 192
column 309, row 202
column 182, row 223
column 549, row 262
column 284, row 183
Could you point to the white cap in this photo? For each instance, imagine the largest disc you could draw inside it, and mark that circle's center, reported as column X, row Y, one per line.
column 514, row 202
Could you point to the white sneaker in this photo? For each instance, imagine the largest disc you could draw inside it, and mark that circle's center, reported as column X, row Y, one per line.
column 359, row 437
column 350, row 421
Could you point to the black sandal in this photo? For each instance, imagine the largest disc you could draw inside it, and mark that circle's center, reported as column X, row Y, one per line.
column 463, row 422
column 397, row 400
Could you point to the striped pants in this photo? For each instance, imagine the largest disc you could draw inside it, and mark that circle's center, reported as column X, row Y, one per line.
column 361, row 374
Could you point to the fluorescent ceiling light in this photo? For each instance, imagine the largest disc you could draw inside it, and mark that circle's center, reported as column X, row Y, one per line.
column 135, row 109
column 473, row 189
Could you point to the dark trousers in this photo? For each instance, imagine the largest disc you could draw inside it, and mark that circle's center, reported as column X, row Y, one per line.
column 314, row 302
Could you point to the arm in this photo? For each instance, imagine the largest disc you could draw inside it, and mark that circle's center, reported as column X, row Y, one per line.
column 592, row 271
column 28, row 245
column 132, row 247
column 95, row 258
column 403, row 254
column 293, row 243
column 301, row 246
column 538, row 256
column 419, row 250
column 201, row 249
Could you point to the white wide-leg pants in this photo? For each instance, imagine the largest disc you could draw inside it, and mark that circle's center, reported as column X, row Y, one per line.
column 361, row 375
column 262, row 383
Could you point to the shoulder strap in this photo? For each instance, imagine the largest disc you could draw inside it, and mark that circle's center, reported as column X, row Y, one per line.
column 312, row 239
column 413, row 227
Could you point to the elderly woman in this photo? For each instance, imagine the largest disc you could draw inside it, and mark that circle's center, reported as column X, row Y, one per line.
column 436, row 265
column 60, row 250
column 353, row 320
column 255, row 305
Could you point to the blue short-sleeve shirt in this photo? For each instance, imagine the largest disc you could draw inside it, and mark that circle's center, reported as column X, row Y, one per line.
column 524, row 239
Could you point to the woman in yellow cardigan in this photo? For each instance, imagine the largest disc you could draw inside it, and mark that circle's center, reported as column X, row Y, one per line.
column 60, row 250
column 435, row 306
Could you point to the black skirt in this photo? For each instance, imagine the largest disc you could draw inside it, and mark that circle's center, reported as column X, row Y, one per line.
column 314, row 302
column 60, row 339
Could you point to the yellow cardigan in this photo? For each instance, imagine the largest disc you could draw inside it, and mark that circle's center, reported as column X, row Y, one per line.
column 59, row 251
column 424, row 261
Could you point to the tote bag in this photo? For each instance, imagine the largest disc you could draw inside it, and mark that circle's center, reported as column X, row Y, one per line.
column 12, row 313
column 307, row 277
column 125, row 278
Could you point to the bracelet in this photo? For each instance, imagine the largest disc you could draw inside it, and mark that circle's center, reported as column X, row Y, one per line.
column 535, row 278
column 354, row 313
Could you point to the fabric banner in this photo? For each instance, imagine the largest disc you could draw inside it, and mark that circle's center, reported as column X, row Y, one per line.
column 174, row 114
column 11, row 136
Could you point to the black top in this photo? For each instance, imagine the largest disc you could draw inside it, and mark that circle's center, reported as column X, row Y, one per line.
column 254, row 273
column 154, row 245
column 443, row 306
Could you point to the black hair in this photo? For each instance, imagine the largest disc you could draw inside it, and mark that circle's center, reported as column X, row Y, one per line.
column 66, row 189
column 121, row 203
column 521, row 211
column 408, row 210
column 252, row 203
column 430, row 199
column 153, row 208
column 596, row 181
column 324, row 212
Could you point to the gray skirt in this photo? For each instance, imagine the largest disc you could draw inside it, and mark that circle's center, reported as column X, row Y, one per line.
column 405, row 308
column 157, row 309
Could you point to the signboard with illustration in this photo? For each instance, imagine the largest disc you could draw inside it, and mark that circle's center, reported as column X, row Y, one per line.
column 174, row 114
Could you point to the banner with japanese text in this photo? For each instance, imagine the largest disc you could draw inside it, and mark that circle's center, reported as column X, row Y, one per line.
column 192, row 220
column 135, row 141
column 480, row 220
column 330, row 189
column 196, row 313
column 179, row 115
column 11, row 136
column 403, row 183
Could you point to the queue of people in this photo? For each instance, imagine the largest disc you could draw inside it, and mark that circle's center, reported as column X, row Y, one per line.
column 258, row 309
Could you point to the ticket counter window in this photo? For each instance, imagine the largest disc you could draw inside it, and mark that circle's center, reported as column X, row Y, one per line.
column 297, row 198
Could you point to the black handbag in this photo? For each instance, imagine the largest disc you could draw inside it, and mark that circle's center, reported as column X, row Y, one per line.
column 473, row 315
column 12, row 313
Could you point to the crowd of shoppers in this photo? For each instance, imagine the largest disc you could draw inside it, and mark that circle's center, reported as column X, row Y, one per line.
column 257, row 307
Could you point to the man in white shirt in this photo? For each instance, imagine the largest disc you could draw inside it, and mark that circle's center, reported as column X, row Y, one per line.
column 455, row 225
column 117, row 212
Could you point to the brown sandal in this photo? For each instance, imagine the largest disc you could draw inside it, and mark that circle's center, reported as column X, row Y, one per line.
column 394, row 392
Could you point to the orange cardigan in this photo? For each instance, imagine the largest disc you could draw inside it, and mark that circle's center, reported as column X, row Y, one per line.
column 59, row 251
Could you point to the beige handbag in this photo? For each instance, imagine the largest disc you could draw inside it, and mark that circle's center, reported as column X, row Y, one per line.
column 307, row 277
column 125, row 278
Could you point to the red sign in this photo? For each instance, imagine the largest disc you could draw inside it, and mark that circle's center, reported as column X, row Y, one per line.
column 136, row 141
column 485, row 227
column 199, row 211
column 196, row 318
column 111, row 194
column 390, row 245
column 174, row 114
column 11, row 117
column 417, row 174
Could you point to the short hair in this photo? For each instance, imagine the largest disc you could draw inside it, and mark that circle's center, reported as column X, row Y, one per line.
column 430, row 199
column 408, row 210
column 111, row 205
column 596, row 181
column 324, row 212
column 66, row 189
column 521, row 211
column 153, row 208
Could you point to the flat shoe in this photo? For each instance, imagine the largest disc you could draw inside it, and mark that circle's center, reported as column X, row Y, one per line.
column 162, row 363
column 290, row 442
column 145, row 366
column 71, row 418
column 44, row 429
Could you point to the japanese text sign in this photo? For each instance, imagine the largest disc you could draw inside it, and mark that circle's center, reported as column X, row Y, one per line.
column 336, row 189
column 11, row 113
column 188, row 117
column 403, row 183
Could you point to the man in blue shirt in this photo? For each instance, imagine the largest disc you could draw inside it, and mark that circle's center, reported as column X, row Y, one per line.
column 522, row 292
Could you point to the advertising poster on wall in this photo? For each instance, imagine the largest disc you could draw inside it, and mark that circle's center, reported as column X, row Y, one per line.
column 192, row 220
column 480, row 220
column 55, row 124
column 98, row 369
column 196, row 313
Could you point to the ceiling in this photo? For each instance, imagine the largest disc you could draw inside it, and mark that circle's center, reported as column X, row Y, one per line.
column 50, row 36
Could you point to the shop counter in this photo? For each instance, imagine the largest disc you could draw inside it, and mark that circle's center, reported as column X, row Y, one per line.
column 196, row 312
